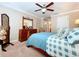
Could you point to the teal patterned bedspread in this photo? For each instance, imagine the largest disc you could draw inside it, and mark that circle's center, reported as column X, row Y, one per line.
column 39, row 39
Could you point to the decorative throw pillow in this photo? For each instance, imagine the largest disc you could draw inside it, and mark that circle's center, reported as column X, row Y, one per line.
column 62, row 33
column 59, row 32
column 73, row 30
column 73, row 37
column 65, row 33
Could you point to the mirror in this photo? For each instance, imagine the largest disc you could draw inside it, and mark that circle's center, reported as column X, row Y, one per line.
column 27, row 23
column 5, row 21
column 5, row 25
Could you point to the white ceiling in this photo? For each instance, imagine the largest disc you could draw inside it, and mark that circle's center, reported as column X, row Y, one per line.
column 31, row 7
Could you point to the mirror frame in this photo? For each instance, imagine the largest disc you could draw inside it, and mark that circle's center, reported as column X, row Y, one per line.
column 23, row 18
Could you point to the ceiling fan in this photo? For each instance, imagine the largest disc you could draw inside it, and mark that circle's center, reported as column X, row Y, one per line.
column 44, row 8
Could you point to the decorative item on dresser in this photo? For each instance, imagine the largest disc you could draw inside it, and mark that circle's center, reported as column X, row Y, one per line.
column 25, row 33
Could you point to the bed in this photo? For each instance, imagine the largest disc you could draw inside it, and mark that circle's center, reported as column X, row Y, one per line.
column 38, row 41
column 54, row 45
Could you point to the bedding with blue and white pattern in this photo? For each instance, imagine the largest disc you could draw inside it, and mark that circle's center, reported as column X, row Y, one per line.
column 63, row 43
column 60, row 47
column 57, row 46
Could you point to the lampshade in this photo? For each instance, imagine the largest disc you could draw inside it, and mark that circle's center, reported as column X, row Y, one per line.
column 77, row 21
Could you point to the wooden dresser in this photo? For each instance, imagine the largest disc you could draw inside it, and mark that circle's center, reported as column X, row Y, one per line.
column 25, row 33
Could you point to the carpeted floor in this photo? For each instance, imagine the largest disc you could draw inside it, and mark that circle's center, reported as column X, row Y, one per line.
column 20, row 50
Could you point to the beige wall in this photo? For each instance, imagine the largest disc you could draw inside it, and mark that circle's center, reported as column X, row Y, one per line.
column 15, row 21
column 72, row 17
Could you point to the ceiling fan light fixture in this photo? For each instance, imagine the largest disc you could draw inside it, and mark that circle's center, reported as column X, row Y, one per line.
column 43, row 10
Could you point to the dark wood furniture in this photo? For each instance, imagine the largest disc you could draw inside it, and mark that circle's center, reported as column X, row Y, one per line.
column 5, row 24
column 25, row 33
column 2, row 46
column 40, row 50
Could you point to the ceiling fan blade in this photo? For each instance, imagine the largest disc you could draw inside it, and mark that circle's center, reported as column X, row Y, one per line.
column 50, row 9
column 39, row 5
column 49, row 4
column 37, row 10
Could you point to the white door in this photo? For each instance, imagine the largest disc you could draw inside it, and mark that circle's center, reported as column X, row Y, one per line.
column 63, row 22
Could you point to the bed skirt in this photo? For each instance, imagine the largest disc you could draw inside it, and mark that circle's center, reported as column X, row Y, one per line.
column 40, row 50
